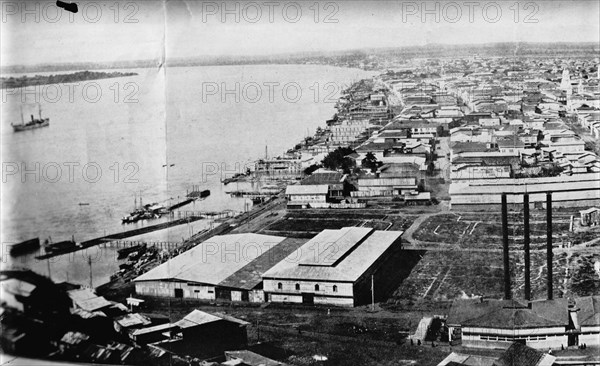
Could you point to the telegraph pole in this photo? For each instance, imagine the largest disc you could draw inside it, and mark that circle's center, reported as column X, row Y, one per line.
column 372, row 293
column 90, row 264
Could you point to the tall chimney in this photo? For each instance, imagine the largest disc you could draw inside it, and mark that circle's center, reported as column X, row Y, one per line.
column 526, row 244
column 549, row 242
column 507, row 292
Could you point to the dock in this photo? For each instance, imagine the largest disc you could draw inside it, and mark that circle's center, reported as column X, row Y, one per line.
column 122, row 235
column 181, row 204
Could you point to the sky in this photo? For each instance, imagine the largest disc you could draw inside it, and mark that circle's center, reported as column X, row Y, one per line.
column 38, row 32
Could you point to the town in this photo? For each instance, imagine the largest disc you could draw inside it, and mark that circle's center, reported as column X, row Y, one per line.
column 447, row 214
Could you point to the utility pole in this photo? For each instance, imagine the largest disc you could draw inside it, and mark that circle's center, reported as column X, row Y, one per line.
column 372, row 293
column 257, row 331
column 49, row 272
column 90, row 264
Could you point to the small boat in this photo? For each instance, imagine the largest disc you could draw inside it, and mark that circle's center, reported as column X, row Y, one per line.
column 126, row 266
column 124, row 252
column 83, row 204
column 25, row 247
column 199, row 194
column 60, row 247
column 33, row 123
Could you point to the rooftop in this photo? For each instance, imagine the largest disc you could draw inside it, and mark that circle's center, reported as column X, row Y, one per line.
column 198, row 317
column 214, row 260
column 336, row 255
column 307, row 189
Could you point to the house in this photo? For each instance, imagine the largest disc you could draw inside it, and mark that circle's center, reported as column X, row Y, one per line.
column 481, row 135
column 590, row 217
column 248, row 358
column 516, row 355
column 386, row 185
column 489, row 122
column 336, row 267
column 152, row 334
column 420, row 128
column 224, row 267
column 204, row 335
column 543, row 324
column 129, row 322
column 336, row 182
column 87, row 300
column 33, row 295
column 511, row 145
column 519, row 354
column 304, row 196
column 567, row 191
column 279, row 166
column 458, row 149
column 347, row 131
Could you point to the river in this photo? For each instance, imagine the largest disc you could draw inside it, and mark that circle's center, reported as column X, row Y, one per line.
column 152, row 136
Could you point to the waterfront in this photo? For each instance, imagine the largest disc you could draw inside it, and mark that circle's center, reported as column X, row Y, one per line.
column 198, row 133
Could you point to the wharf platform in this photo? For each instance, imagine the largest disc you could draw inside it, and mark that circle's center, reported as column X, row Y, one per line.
column 121, row 235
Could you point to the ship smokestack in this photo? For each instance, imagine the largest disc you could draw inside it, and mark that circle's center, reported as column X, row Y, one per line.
column 549, row 242
column 31, row 117
column 507, row 291
column 526, row 246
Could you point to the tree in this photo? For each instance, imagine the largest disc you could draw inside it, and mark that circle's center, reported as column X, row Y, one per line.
column 370, row 162
column 338, row 159
column 311, row 169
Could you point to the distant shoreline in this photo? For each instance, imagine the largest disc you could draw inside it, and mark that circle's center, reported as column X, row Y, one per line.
column 354, row 58
column 25, row 81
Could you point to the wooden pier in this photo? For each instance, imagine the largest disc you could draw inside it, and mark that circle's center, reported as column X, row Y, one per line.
column 181, row 214
column 123, row 235
column 119, row 244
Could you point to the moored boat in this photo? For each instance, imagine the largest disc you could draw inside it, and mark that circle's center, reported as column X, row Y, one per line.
column 124, row 252
column 33, row 123
column 25, row 247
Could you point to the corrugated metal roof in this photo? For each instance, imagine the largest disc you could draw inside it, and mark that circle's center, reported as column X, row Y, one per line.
column 155, row 328
column 17, row 287
column 198, row 317
column 349, row 269
column 509, row 314
column 132, row 320
column 214, row 260
column 589, row 313
column 250, row 275
column 93, row 304
column 331, row 245
column 307, row 189
column 195, row 318
column 82, row 294
column 521, row 355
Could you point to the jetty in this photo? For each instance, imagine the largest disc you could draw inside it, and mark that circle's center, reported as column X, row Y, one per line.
column 119, row 236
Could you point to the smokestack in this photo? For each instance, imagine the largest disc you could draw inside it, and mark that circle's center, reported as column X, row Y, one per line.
column 549, row 242
column 526, row 244
column 507, row 292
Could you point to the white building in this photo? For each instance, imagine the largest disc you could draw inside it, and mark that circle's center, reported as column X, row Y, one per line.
column 567, row 191
column 218, row 268
column 335, row 267
column 305, row 195
column 544, row 324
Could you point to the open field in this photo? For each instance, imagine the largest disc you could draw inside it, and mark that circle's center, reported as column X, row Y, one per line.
column 305, row 223
column 468, row 230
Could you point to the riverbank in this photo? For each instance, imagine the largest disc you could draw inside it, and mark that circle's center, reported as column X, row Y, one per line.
column 25, row 81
